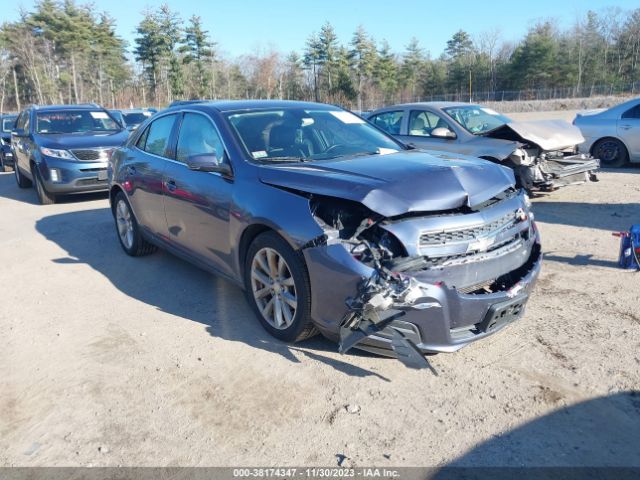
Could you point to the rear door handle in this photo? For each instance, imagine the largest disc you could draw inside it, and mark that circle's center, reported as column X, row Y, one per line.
column 131, row 170
column 171, row 185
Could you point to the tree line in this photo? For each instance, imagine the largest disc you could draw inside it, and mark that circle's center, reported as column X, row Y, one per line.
column 65, row 52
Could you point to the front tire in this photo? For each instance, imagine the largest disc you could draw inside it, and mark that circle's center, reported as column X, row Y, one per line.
column 45, row 197
column 278, row 288
column 611, row 152
column 131, row 239
column 21, row 180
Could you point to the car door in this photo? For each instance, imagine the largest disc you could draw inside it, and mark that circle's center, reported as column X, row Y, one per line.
column 422, row 127
column 196, row 203
column 145, row 165
column 629, row 130
column 20, row 141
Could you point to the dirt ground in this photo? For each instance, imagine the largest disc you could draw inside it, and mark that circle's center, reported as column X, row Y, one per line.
column 111, row 360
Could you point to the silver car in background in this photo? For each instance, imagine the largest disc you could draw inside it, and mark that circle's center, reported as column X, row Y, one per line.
column 542, row 154
column 612, row 135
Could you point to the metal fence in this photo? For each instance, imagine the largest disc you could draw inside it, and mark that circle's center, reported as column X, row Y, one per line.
column 630, row 89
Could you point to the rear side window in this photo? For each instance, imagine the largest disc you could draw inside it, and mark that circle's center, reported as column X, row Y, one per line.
column 390, row 122
column 198, row 136
column 156, row 137
column 632, row 112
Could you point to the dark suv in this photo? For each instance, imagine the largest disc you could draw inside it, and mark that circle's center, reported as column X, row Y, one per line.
column 330, row 224
column 64, row 149
column 6, row 156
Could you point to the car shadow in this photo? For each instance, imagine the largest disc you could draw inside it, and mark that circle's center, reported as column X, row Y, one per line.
column 580, row 260
column 602, row 216
column 568, row 443
column 9, row 189
column 177, row 287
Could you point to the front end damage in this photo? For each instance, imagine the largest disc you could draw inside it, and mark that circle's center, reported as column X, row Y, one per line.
column 547, row 155
column 422, row 282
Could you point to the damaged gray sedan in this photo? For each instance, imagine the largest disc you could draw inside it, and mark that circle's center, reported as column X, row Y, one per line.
column 543, row 154
column 329, row 224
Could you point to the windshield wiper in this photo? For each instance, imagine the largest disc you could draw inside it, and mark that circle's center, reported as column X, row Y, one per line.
column 283, row 159
column 349, row 155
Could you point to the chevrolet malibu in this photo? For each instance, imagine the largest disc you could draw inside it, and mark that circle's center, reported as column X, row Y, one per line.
column 329, row 224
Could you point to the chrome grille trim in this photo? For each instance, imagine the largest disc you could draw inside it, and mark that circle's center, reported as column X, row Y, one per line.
column 91, row 154
column 442, row 237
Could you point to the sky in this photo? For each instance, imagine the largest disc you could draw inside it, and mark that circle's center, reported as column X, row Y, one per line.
column 241, row 27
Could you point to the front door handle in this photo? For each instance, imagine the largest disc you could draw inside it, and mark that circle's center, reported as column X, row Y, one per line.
column 626, row 127
column 171, row 185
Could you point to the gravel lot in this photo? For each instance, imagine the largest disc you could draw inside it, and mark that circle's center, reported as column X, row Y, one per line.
column 111, row 360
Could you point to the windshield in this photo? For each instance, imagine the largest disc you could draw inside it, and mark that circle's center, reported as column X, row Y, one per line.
column 305, row 134
column 136, row 118
column 75, row 121
column 8, row 123
column 475, row 119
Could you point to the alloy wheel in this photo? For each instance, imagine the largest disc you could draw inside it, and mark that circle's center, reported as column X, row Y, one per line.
column 125, row 224
column 273, row 288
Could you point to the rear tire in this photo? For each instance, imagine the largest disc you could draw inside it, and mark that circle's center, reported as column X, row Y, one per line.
column 45, row 197
column 291, row 287
column 611, row 152
column 129, row 234
column 21, row 180
column 3, row 167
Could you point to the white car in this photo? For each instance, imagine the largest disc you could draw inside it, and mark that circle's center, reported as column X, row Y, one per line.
column 612, row 135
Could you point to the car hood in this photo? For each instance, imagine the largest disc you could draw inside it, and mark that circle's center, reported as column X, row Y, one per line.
column 546, row 134
column 397, row 183
column 83, row 140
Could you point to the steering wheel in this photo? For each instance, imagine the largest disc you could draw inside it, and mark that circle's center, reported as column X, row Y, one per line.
column 332, row 148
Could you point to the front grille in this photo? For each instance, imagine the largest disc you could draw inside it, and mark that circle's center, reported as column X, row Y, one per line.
column 466, row 234
column 91, row 154
column 90, row 181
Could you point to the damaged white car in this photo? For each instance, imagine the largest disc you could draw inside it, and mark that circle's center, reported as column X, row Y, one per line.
column 543, row 154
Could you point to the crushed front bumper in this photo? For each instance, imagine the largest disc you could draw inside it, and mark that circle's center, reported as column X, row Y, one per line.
column 446, row 319
column 558, row 172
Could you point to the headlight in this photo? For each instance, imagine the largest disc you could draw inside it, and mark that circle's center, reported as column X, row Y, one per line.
column 527, row 200
column 52, row 152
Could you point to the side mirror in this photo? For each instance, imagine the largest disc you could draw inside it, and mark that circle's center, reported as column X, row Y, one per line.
column 208, row 162
column 18, row 132
column 443, row 133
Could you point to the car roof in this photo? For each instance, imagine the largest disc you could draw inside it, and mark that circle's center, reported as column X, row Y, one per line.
column 234, row 105
column 435, row 104
column 53, row 108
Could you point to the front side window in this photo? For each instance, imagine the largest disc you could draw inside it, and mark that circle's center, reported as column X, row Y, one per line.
column 475, row 119
column 157, row 135
column 198, row 136
column 75, row 121
column 422, row 123
column 390, row 122
column 300, row 134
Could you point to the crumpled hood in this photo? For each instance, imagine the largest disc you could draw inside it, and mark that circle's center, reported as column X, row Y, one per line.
column 397, row 183
column 547, row 134
column 83, row 140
